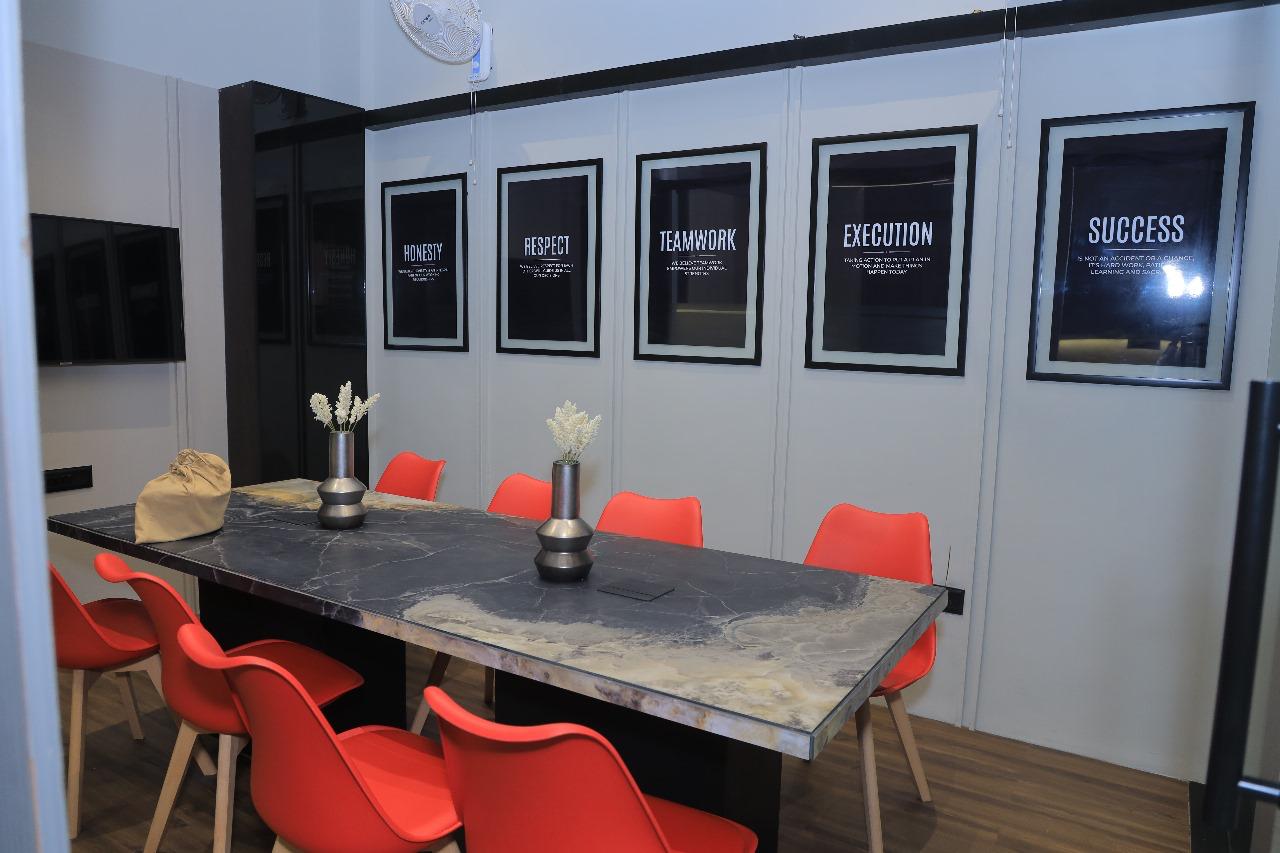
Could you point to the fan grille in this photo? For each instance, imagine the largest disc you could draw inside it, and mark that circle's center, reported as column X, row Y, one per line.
column 456, row 34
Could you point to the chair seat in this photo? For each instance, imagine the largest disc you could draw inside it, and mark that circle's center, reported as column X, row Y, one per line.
column 125, row 624
column 324, row 678
column 689, row 830
column 915, row 665
column 406, row 776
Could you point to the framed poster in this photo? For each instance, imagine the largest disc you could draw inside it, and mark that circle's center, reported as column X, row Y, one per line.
column 699, row 255
column 890, row 222
column 1139, row 228
column 424, row 264
column 549, row 259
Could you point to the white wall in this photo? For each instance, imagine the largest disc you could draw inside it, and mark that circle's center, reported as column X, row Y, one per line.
column 109, row 142
column 312, row 46
column 1091, row 524
column 553, row 38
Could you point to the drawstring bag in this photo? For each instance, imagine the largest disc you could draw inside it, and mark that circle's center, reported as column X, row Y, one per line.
column 190, row 499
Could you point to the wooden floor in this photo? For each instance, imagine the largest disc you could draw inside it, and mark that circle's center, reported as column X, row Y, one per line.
column 990, row 794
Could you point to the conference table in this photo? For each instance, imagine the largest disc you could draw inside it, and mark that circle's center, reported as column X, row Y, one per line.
column 702, row 690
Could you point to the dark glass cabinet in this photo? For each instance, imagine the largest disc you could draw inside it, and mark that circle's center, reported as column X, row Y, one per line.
column 293, row 256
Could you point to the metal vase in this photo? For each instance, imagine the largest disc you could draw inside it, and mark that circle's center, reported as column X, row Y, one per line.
column 342, row 495
column 564, row 536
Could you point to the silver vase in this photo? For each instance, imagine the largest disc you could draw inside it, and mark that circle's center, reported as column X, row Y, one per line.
column 564, row 536
column 342, row 495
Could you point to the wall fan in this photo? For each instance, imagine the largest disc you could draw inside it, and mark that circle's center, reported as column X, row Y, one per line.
column 448, row 30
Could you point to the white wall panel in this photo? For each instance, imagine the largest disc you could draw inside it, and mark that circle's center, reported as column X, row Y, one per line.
column 430, row 399
column 1091, row 524
column 885, row 441
column 1114, row 505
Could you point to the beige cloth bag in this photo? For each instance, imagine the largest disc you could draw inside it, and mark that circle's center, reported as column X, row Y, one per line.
column 190, row 499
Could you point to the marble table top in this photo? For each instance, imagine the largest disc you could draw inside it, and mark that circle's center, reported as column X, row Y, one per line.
column 763, row 651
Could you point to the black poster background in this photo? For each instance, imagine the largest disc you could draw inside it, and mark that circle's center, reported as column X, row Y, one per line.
column 1118, row 294
column 889, row 298
column 712, row 282
column 424, row 293
column 547, row 294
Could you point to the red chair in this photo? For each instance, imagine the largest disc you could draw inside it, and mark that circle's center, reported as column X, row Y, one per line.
column 202, row 699
column 562, row 788
column 524, row 497
column 886, row 545
column 113, row 636
column 411, row 476
column 374, row 789
column 675, row 520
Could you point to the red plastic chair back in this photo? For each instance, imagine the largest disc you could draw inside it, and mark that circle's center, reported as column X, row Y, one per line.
column 78, row 642
column 541, row 788
column 675, row 520
column 303, row 784
column 886, row 545
column 523, row 496
column 200, row 697
column 411, row 476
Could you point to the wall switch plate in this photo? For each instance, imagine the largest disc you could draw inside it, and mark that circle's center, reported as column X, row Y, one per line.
column 955, row 600
column 68, row 479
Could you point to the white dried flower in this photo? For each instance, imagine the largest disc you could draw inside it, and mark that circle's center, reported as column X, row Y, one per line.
column 360, row 408
column 572, row 430
column 346, row 414
column 320, row 406
column 343, row 409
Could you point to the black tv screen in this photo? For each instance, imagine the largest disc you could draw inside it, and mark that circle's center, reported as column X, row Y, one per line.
column 106, row 291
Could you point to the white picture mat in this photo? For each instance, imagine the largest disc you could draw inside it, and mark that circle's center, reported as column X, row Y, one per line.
column 457, row 185
column 1233, row 123
column 753, row 255
column 591, row 173
column 959, row 209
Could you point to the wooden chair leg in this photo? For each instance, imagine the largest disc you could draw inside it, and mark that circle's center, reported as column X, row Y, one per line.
column 445, row 845
column 178, row 762
column 438, row 666
column 229, row 747
column 420, row 717
column 902, row 722
column 130, row 703
column 488, row 686
column 870, row 787
column 80, row 681
column 282, row 846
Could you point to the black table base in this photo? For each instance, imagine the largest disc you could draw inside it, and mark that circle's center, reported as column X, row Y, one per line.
column 235, row 618
column 676, row 762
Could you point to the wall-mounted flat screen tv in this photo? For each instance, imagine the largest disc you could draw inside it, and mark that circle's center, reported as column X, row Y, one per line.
column 106, row 291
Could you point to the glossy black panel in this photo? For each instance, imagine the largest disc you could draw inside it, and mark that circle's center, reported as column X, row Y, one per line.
column 294, row 279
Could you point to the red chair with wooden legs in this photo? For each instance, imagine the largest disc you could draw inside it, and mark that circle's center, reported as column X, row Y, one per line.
column 202, row 699
column 675, row 520
column 411, row 476
column 562, row 788
column 114, row 637
column 374, row 789
column 524, row 497
column 894, row 546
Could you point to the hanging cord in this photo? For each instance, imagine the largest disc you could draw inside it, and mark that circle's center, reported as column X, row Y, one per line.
column 471, row 163
column 1013, row 74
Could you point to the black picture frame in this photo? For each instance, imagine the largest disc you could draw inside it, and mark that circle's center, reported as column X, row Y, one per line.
column 754, row 337
column 1161, row 120
column 593, row 169
column 964, row 138
column 461, row 276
